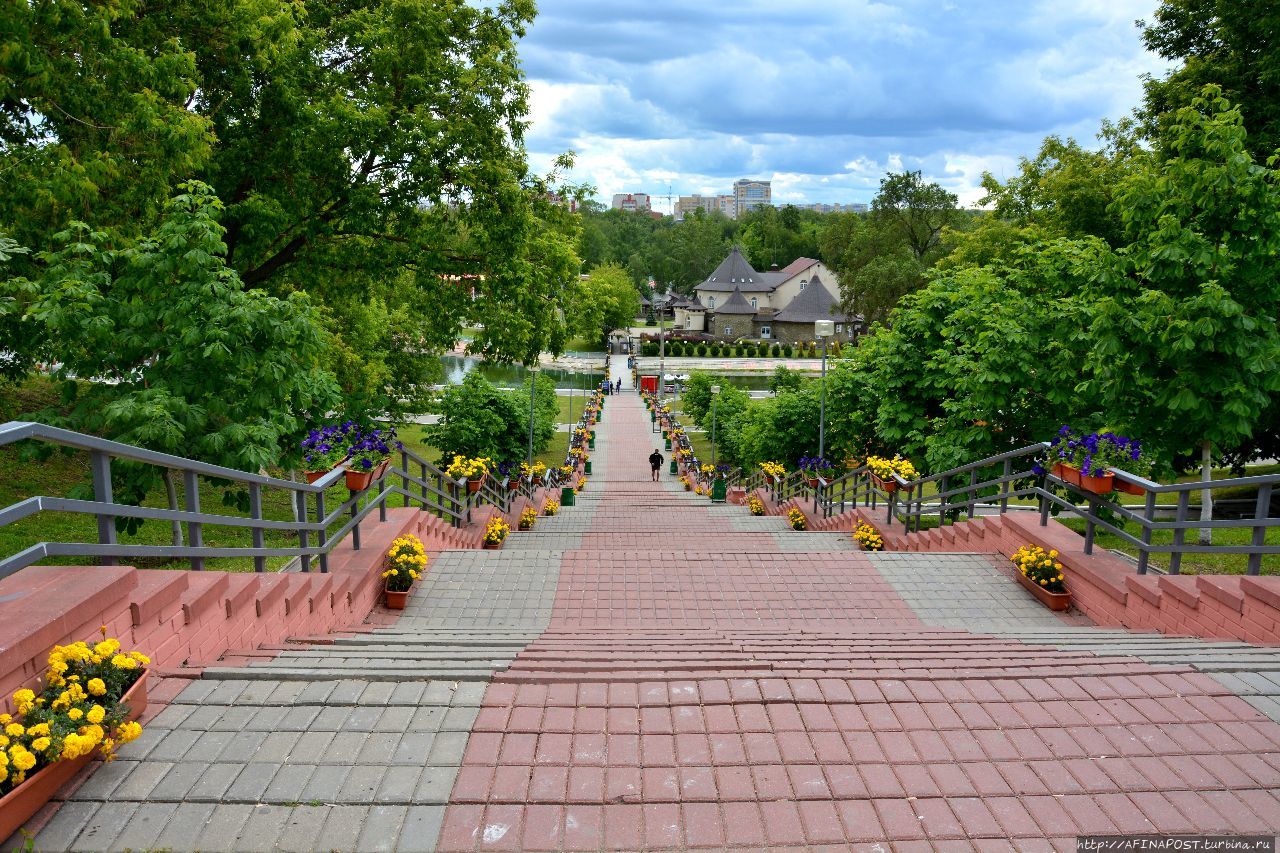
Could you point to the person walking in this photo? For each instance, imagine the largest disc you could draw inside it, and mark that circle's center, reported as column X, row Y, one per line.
column 655, row 463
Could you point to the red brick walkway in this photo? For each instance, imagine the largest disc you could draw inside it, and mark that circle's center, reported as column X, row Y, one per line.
column 701, row 688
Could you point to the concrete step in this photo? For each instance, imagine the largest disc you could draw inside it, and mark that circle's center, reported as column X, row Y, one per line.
column 368, row 674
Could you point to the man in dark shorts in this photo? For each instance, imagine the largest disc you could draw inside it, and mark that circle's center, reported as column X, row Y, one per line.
column 655, row 462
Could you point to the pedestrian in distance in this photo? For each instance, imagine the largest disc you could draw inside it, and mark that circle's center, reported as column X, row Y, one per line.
column 655, row 463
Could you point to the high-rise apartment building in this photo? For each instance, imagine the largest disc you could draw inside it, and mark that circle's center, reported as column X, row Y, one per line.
column 723, row 203
column 749, row 194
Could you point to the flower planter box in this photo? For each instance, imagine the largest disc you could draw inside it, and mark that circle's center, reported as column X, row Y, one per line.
column 1098, row 485
column 1057, row 601
column 358, row 481
column 889, row 486
column 396, row 600
column 1129, row 488
column 524, row 527
column 1067, row 473
column 17, row 806
column 312, row 476
column 492, row 546
column 473, row 486
column 813, row 482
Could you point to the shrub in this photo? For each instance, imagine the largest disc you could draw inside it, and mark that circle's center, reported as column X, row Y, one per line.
column 701, row 350
column 786, row 350
column 649, row 348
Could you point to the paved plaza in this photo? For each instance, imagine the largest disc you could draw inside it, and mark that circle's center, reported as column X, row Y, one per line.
column 647, row 671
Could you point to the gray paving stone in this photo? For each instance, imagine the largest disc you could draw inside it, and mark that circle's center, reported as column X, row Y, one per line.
column 251, row 782
column 378, row 749
column 236, row 719
column 408, row 693
column 104, row 780
column 243, row 747
column 413, row 748
column 312, row 746
column 421, row 829
column 289, row 783
column 447, row 749
column 398, row 784
column 395, row 719
column 345, row 747
column 265, row 829
column 381, row 828
column 224, row 827
column 177, row 783
column 287, row 693
column 276, row 747
column 302, row 829
column 377, row 693
column 62, row 829
column 362, row 784
column 435, row 784
column 197, row 692
column 209, row 746
column 171, row 716
column 342, row 828
column 144, row 826
column 227, row 691
column 315, row 692
column 184, row 828
column 106, row 824
column 346, row 693
column 212, row 783
column 140, row 782
column 174, row 745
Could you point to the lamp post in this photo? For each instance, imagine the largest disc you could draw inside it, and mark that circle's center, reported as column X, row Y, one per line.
column 533, row 388
column 662, row 357
column 715, row 396
column 823, row 330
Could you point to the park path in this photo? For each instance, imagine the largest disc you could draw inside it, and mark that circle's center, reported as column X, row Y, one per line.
column 647, row 671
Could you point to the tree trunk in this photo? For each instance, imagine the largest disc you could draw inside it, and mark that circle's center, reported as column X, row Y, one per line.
column 171, row 492
column 1206, row 496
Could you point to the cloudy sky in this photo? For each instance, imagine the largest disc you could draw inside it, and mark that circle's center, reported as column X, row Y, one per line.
column 822, row 96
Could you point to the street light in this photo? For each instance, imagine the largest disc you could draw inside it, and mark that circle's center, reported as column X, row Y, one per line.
column 823, row 329
column 715, row 396
column 533, row 388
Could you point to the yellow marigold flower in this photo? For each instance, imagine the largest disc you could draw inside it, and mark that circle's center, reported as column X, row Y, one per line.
column 4, row 741
column 40, row 744
column 4, row 773
column 96, row 714
column 5, row 719
column 128, row 731
column 97, row 686
column 38, row 729
column 122, row 662
column 24, row 696
column 23, row 760
column 75, row 713
column 15, row 730
column 140, row 658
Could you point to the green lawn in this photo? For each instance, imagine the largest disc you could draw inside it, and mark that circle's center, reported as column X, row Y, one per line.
column 1192, row 564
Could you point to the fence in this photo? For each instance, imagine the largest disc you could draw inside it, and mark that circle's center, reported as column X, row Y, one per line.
column 996, row 482
column 420, row 483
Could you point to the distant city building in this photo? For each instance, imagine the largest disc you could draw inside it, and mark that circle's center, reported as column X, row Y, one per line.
column 749, row 194
column 571, row 203
column 723, row 203
column 821, row 207
column 633, row 202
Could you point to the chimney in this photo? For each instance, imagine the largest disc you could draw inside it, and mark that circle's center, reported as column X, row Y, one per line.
column 773, row 267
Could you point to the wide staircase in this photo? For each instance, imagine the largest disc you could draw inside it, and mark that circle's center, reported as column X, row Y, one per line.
column 648, row 671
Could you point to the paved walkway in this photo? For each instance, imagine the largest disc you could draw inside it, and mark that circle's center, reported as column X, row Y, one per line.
column 649, row 672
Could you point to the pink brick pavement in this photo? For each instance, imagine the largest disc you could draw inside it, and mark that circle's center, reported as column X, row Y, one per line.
column 699, row 688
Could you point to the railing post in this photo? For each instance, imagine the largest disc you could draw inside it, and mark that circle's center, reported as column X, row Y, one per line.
column 255, row 511
column 889, row 503
column 382, row 499
column 942, row 501
column 1179, row 534
column 1044, row 508
column 1089, row 526
column 304, row 539
column 973, row 491
column 355, row 530
column 1148, row 515
column 1004, row 486
column 1261, row 511
column 195, row 534
column 100, row 462
column 404, row 479
column 322, row 537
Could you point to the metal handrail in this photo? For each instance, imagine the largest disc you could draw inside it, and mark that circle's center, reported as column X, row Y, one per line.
column 962, row 490
column 435, row 492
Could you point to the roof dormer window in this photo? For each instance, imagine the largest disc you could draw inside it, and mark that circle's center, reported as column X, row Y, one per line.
column 753, row 302
column 802, row 284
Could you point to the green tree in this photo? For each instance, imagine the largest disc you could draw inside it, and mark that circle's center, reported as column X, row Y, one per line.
column 188, row 361
column 606, row 300
column 1230, row 43
column 1186, row 346
column 785, row 379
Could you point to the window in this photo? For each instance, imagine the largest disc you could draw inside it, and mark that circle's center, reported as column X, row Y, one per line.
column 766, row 332
column 727, row 331
column 802, row 284
column 839, row 328
column 711, row 302
column 753, row 302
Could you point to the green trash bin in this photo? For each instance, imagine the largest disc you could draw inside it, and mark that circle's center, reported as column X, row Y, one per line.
column 586, row 467
column 666, row 442
column 718, row 489
column 674, row 470
column 591, row 442
column 568, row 497
column 652, row 416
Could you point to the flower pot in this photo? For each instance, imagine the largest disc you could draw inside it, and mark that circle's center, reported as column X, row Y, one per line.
column 136, row 697
column 473, row 486
column 358, row 481
column 889, row 486
column 396, row 600
column 17, row 806
column 1098, row 485
column 1070, row 474
column 1053, row 600
column 492, row 546
column 1129, row 488
column 813, row 482
column 312, row 476
column 513, row 483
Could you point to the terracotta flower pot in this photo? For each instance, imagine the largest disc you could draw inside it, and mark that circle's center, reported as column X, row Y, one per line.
column 312, row 476
column 1098, row 485
column 1129, row 488
column 396, row 599
column 492, row 546
column 813, row 482
column 473, row 486
column 17, row 806
column 889, row 486
column 1053, row 600
column 1070, row 474
column 358, row 481
column 523, row 526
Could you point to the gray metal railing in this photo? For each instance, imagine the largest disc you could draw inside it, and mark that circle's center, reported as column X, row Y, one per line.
column 419, row 482
column 991, row 484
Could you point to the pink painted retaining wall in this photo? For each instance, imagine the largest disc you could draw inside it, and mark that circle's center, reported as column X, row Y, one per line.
column 1104, row 587
column 190, row 619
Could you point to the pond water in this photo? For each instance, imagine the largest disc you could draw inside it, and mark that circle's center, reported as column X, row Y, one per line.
column 513, row 375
